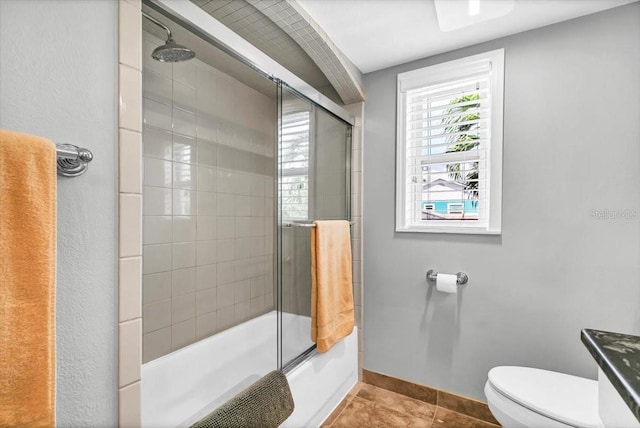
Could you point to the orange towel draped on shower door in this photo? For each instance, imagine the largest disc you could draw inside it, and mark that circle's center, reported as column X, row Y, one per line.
column 27, row 280
column 332, row 312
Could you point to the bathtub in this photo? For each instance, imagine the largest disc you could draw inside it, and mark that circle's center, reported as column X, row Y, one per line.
column 180, row 388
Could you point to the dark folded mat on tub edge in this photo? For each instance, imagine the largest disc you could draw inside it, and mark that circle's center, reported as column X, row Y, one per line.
column 265, row 404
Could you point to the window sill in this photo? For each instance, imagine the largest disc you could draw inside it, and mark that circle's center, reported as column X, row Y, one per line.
column 453, row 229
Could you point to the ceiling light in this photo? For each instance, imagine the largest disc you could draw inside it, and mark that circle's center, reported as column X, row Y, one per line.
column 456, row 14
column 474, row 7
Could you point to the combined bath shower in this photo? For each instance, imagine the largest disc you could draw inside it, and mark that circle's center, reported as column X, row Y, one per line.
column 170, row 51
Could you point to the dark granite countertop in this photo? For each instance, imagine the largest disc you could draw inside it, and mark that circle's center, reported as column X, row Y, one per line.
column 618, row 355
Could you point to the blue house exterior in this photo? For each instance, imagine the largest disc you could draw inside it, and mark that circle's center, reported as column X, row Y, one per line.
column 447, row 200
column 442, row 207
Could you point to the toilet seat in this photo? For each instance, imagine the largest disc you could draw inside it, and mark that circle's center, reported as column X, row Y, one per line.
column 512, row 415
column 569, row 400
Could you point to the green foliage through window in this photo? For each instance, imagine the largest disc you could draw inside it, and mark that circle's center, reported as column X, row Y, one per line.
column 461, row 121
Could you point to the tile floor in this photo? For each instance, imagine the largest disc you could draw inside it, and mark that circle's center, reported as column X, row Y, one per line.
column 369, row 406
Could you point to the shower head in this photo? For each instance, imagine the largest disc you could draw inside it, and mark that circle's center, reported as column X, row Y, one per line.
column 170, row 51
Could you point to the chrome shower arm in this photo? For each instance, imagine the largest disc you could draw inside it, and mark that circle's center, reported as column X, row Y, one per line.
column 159, row 24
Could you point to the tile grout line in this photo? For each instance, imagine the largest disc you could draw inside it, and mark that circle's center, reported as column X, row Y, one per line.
column 435, row 412
column 433, row 418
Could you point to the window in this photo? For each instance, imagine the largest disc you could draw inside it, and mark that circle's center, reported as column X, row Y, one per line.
column 449, row 146
column 294, row 165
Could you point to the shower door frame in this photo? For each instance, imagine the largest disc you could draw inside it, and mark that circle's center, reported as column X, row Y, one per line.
column 287, row 366
column 198, row 22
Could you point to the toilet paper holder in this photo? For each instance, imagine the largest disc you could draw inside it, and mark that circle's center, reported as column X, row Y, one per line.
column 461, row 277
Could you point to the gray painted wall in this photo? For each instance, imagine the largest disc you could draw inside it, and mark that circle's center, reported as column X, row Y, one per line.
column 571, row 145
column 58, row 79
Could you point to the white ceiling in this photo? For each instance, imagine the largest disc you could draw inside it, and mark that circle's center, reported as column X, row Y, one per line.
column 376, row 34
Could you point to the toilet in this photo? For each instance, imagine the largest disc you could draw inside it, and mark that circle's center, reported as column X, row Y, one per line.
column 535, row 398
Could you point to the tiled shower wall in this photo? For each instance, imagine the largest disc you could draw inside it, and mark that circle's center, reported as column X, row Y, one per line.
column 208, row 153
column 129, row 212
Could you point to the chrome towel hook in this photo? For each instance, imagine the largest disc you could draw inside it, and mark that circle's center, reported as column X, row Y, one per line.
column 72, row 160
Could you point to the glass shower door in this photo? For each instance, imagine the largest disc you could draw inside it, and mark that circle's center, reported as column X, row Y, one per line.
column 313, row 184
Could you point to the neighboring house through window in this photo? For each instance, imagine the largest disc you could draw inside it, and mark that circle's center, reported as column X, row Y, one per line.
column 449, row 146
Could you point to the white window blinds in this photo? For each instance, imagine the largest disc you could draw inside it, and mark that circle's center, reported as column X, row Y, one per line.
column 446, row 162
column 448, row 130
column 294, row 165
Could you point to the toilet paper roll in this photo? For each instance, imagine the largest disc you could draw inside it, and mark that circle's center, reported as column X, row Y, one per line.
column 447, row 283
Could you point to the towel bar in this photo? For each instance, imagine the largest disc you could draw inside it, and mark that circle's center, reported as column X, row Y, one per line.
column 72, row 160
column 292, row 224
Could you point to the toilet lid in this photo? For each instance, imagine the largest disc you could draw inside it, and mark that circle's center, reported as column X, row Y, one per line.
column 568, row 399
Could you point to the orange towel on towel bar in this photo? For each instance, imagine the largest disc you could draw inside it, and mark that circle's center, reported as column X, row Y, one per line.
column 332, row 312
column 27, row 280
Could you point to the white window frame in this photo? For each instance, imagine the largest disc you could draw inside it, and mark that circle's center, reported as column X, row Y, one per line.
column 440, row 73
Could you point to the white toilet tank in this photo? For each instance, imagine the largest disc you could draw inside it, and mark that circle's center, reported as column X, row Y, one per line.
column 568, row 400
